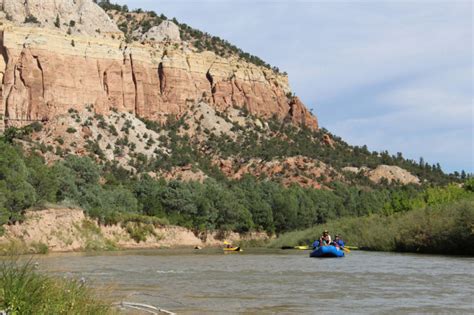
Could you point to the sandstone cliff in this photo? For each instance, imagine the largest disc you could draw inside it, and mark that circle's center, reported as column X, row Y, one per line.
column 45, row 71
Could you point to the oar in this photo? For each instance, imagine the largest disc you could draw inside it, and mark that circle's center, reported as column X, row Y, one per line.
column 347, row 250
column 352, row 247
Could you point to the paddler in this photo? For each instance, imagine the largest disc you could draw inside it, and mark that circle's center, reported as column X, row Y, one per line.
column 325, row 239
column 338, row 242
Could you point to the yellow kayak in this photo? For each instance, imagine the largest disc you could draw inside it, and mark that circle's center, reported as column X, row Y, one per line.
column 304, row 247
column 232, row 249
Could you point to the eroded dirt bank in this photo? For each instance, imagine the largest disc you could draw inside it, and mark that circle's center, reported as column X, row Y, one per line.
column 65, row 230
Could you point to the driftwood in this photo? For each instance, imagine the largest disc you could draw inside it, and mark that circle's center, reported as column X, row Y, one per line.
column 150, row 309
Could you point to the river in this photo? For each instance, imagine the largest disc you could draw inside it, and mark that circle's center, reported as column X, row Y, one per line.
column 264, row 281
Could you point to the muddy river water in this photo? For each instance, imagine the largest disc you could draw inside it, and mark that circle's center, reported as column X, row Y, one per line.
column 265, row 281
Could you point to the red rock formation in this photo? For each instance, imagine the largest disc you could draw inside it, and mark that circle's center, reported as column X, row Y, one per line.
column 300, row 115
column 46, row 74
column 327, row 140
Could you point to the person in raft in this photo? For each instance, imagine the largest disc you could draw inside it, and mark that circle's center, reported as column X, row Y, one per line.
column 338, row 242
column 325, row 239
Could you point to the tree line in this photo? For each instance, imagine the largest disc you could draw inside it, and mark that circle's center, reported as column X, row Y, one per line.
column 109, row 192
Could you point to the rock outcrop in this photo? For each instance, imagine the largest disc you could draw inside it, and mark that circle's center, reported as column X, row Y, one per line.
column 387, row 172
column 46, row 71
column 167, row 30
column 78, row 16
column 392, row 173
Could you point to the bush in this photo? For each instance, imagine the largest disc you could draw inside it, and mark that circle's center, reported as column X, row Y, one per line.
column 36, row 126
column 138, row 231
column 31, row 19
column 71, row 130
column 40, row 248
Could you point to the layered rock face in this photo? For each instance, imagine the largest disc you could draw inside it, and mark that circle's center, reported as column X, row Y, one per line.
column 45, row 72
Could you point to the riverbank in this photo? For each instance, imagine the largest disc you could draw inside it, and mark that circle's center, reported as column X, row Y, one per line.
column 443, row 229
column 23, row 290
column 69, row 230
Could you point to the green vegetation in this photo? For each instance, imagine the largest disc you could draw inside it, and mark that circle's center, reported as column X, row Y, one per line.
column 217, row 204
column 57, row 22
column 31, row 19
column 139, row 231
column 94, row 239
column 443, row 228
column 25, row 291
column 305, row 142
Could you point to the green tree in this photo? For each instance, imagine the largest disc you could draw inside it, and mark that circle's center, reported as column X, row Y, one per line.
column 57, row 22
column 42, row 178
column 18, row 194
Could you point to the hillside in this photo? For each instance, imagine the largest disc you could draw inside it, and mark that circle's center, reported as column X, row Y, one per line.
column 129, row 115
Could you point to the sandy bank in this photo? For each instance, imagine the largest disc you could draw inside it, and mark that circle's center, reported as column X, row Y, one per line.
column 65, row 230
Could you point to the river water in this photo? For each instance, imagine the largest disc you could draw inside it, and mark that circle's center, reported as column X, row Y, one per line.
column 264, row 281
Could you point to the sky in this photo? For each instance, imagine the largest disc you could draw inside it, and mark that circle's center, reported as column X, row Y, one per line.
column 393, row 75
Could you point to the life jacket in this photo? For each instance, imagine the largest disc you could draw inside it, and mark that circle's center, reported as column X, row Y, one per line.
column 325, row 239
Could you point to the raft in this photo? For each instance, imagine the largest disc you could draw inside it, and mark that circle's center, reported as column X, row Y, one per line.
column 327, row 251
column 232, row 249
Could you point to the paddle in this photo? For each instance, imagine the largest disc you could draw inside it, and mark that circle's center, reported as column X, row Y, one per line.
column 347, row 250
column 352, row 247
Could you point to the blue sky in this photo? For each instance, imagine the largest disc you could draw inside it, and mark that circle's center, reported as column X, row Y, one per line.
column 394, row 75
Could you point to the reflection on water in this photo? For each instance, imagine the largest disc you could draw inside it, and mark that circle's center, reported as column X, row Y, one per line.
column 275, row 281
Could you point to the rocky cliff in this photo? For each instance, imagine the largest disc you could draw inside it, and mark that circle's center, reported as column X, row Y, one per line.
column 49, row 67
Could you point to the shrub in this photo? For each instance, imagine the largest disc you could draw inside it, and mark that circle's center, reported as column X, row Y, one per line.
column 40, row 248
column 138, row 231
column 71, row 130
column 36, row 126
column 31, row 19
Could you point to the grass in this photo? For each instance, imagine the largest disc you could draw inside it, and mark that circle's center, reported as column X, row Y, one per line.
column 19, row 247
column 23, row 290
column 443, row 229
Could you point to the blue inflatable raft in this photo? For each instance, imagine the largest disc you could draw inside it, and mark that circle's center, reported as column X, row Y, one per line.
column 327, row 251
